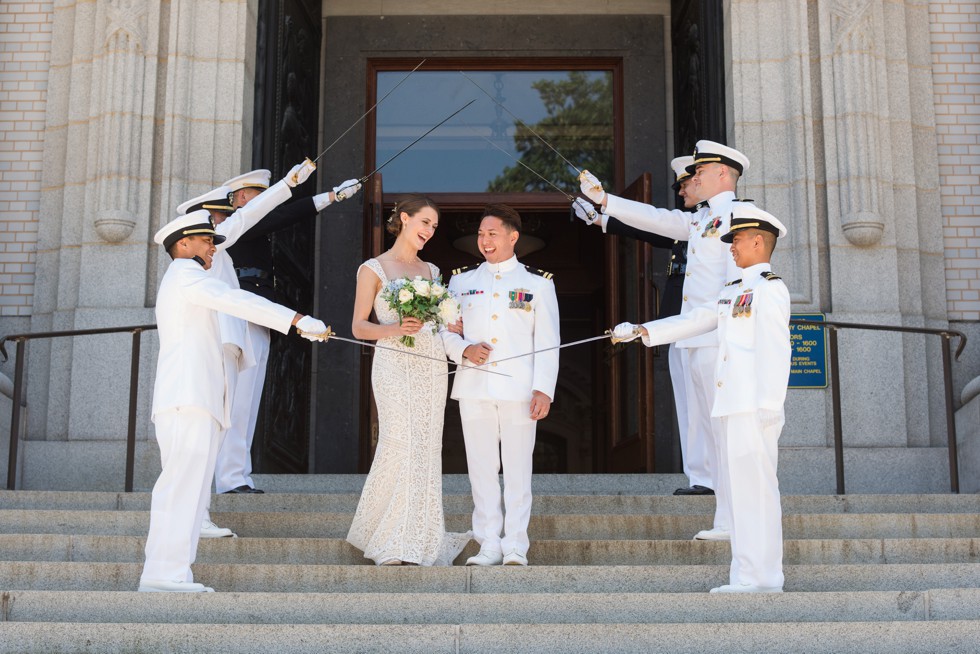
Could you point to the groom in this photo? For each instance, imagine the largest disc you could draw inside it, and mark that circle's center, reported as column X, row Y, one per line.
column 508, row 309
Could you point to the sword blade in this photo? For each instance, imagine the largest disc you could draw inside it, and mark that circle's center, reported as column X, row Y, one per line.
column 527, row 354
column 571, row 198
column 330, row 336
column 521, row 122
column 364, row 115
column 427, row 132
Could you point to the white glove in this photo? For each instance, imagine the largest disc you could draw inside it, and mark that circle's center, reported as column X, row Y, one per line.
column 311, row 327
column 584, row 210
column 592, row 187
column 299, row 174
column 624, row 332
column 347, row 189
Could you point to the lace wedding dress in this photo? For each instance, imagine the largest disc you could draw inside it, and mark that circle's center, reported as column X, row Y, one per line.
column 399, row 515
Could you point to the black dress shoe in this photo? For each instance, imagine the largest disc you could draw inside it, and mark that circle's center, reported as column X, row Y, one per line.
column 694, row 490
column 243, row 490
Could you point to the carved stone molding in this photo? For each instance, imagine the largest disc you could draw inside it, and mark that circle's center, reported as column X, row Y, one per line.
column 857, row 105
column 114, row 226
column 128, row 18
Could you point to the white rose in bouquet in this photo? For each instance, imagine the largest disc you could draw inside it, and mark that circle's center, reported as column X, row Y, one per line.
column 449, row 311
column 421, row 287
column 405, row 295
column 437, row 289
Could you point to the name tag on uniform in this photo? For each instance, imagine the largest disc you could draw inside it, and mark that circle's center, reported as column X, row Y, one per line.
column 520, row 298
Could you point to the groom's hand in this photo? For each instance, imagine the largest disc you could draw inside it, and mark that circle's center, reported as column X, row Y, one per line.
column 478, row 354
column 540, row 405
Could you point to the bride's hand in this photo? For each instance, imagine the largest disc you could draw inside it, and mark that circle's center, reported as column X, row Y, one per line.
column 408, row 327
column 456, row 327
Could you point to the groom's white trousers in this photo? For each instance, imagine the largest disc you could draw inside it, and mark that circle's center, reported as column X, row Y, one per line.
column 495, row 432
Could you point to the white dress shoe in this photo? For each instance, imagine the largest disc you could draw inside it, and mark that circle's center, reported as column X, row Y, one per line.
column 485, row 558
column 211, row 530
column 713, row 534
column 746, row 588
column 162, row 586
column 515, row 558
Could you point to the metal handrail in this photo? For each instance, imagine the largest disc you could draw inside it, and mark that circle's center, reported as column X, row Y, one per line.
column 945, row 334
column 18, row 393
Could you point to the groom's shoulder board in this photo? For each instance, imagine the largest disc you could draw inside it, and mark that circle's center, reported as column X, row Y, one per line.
column 538, row 271
column 474, row 266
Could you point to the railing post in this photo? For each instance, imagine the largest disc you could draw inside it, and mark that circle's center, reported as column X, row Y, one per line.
column 835, row 394
column 15, row 415
column 954, row 471
column 134, row 370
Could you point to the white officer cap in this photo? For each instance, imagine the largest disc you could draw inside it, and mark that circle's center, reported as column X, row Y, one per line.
column 679, row 166
column 253, row 179
column 215, row 199
column 749, row 216
column 195, row 222
column 711, row 152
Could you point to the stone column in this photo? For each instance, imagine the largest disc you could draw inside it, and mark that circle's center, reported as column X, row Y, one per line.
column 149, row 104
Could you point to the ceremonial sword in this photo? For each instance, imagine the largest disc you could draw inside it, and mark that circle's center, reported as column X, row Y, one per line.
column 341, row 195
column 608, row 334
column 571, row 198
column 364, row 115
column 329, row 334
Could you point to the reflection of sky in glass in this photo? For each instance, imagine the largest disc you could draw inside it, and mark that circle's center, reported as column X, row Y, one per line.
column 454, row 158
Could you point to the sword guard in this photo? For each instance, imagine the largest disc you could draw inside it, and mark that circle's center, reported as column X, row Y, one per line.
column 322, row 337
column 581, row 176
column 614, row 340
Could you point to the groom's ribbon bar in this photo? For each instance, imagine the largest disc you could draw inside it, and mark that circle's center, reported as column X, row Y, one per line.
column 329, row 334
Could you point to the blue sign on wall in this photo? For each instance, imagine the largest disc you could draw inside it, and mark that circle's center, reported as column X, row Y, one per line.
column 808, row 366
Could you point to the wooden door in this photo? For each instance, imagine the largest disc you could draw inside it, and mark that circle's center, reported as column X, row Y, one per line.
column 629, row 376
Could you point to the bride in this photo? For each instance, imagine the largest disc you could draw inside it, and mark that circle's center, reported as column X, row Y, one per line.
column 399, row 518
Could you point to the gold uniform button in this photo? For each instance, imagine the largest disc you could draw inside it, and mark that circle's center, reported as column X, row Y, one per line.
column 685, row 298
column 496, row 276
column 687, row 274
column 493, row 340
column 494, row 316
column 494, row 364
column 496, row 294
column 719, row 384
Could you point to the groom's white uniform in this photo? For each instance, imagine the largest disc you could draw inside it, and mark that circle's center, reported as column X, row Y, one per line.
column 514, row 309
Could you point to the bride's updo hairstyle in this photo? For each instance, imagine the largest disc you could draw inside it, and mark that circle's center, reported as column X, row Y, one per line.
column 410, row 204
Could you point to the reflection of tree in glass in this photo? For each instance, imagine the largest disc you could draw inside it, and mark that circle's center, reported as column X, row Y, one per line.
column 579, row 125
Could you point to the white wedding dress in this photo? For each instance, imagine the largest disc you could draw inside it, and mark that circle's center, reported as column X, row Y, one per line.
column 399, row 515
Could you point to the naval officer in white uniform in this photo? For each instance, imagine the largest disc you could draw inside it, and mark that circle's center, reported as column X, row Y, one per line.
column 750, row 322
column 231, row 224
column 508, row 309
column 189, row 395
column 716, row 169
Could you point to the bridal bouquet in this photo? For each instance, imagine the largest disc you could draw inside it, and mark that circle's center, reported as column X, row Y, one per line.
column 428, row 301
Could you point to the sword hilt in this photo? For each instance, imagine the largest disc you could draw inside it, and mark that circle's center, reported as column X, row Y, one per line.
column 614, row 340
column 581, row 176
column 296, row 174
column 322, row 337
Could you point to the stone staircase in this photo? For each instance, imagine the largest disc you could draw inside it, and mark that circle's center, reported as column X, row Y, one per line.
column 613, row 570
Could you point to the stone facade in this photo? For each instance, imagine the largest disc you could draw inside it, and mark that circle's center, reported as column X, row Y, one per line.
column 859, row 116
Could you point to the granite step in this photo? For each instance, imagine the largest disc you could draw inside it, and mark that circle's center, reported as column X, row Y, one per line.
column 488, row 608
column 544, row 503
column 909, row 637
column 295, row 524
column 244, row 577
column 336, row 551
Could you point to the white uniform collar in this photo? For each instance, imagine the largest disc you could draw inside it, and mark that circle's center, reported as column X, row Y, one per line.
column 724, row 196
column 503, row 266
column 752, row 272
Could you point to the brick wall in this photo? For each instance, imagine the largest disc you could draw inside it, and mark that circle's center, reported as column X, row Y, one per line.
column 25, row 46
column 955, row 35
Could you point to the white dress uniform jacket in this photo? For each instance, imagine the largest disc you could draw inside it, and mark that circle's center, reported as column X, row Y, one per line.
column 234, row 330
column 515, row 311
column 752, row 318
column 709, row 262
column 190, row 368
